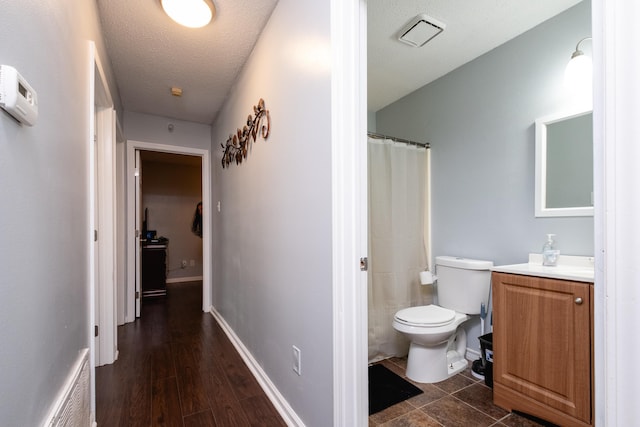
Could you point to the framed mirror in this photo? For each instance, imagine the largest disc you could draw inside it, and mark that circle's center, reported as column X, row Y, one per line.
column 564, row 165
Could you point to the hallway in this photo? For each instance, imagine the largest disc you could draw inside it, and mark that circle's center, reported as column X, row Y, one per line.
column 176, row 367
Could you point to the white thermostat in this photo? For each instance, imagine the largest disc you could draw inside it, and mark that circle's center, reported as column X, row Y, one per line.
column 17, row 97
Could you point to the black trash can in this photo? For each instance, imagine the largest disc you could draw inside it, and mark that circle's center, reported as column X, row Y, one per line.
column 486, row 349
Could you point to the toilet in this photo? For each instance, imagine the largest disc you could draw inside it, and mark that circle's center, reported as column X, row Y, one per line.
column 438, row 341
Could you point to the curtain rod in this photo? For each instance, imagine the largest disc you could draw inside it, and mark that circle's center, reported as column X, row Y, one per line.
column 393, row 138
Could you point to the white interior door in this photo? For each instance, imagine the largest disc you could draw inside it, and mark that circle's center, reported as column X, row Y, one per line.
column 101, row 207
column 106, row 234
column 138, row 220
column 96, row 247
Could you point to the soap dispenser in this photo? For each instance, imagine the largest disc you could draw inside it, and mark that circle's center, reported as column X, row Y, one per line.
column 550, row 252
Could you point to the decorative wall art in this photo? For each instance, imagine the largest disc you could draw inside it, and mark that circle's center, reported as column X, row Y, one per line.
column 237, row 146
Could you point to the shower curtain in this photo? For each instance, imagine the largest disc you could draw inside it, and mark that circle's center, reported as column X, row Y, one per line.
column 398, row 227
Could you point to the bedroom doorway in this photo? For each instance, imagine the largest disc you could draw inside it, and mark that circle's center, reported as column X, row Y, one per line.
column 154, row 153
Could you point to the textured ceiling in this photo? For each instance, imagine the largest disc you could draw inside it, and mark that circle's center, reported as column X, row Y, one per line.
column 473, row 27
column 150, row 53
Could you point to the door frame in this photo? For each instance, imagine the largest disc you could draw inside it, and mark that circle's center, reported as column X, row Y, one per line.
column 101, row 140
column 137, row 225
column 349, row 210
column 616, row 132
column 131, row 147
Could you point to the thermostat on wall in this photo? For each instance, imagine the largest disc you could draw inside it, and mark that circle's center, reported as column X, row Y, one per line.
column 17, row 97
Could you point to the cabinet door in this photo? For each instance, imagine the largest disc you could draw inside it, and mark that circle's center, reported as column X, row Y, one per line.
column 542, row 341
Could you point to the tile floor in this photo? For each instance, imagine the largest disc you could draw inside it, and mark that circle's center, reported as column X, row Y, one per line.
column 462, row 400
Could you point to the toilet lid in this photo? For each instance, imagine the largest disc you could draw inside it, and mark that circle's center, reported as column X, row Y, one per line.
column 431, row 315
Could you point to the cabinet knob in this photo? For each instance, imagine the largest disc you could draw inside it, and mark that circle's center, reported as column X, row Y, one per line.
column 578, row 301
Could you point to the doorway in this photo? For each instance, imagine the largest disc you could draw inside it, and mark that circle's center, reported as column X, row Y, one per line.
column 133, row 291
column 171, row 193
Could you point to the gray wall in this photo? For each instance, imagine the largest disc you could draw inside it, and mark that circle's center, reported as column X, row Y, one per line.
column 272, row 238
column 44, row 219
column 480, row 122
column 371, row 121
column 150, row 128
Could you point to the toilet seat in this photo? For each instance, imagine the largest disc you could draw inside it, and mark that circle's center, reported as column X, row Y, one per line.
column 426, row 316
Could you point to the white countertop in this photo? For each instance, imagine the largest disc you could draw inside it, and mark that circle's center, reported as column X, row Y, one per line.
column 576, row 268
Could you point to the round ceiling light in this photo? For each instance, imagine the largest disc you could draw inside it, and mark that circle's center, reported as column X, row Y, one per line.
column 190, row 13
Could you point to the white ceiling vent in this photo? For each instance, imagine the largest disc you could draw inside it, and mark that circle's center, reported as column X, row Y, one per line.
column 420, row 30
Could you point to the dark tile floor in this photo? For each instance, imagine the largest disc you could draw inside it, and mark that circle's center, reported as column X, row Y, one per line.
column 462, row 400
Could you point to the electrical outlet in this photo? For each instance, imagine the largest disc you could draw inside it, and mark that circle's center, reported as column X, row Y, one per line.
column 297, row 362
column 184, row 264
column 192, row 263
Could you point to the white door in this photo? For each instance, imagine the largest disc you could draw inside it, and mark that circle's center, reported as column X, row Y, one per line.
column 138, row 218
column 96, row 247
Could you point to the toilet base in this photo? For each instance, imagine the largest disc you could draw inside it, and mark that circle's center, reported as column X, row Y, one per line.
column 435, row 363
column 456, row 363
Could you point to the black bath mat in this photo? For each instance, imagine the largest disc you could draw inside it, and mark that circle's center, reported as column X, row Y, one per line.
column 387, row 388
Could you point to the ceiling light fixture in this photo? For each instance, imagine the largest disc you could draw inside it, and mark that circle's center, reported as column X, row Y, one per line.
column 420, row 30
column 190, row 13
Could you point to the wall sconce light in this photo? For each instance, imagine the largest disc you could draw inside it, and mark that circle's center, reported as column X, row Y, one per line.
column 190, row 13
column 578, row 74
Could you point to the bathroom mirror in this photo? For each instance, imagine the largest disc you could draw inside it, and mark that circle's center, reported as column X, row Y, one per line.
column 564, row 165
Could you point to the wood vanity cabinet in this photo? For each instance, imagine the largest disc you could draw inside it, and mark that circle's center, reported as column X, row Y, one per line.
column 542, row 347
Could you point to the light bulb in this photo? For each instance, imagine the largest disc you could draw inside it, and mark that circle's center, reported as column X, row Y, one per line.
column 578, row 78
column 190, row 13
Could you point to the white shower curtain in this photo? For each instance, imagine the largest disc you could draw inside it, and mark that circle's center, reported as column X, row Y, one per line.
column 398, row 226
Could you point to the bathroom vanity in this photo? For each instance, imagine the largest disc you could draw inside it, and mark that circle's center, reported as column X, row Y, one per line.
column 543, row 339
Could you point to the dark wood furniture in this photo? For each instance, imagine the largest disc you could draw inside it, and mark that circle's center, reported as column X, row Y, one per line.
column 154, row 270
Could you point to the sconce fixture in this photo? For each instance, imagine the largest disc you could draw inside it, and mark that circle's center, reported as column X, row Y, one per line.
column 578, row 74
column 190, row 13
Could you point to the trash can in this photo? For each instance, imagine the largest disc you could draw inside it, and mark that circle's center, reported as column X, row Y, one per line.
column 486, row 350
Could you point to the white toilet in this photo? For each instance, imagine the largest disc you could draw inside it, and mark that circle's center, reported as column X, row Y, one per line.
column 438, row 342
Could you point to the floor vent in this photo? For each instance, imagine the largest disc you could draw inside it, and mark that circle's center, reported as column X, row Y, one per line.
column 73, row 406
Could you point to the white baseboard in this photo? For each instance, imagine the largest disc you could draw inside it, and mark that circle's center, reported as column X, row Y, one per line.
column 472, row 354
column 184, row 279
column 282, row 406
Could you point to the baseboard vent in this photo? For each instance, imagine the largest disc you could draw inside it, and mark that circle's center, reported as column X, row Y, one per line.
column 73, row 405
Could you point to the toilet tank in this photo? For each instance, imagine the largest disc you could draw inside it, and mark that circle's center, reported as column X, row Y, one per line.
column 463, row 284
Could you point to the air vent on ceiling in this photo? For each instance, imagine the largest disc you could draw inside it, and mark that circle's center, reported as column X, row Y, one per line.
column 420, row 30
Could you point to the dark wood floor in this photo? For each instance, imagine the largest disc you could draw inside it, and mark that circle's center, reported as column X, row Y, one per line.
column 177, row 368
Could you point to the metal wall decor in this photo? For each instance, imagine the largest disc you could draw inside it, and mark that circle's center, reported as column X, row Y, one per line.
column 237, row 146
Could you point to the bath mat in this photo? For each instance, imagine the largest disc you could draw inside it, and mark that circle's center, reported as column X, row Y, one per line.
column 387, row 388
